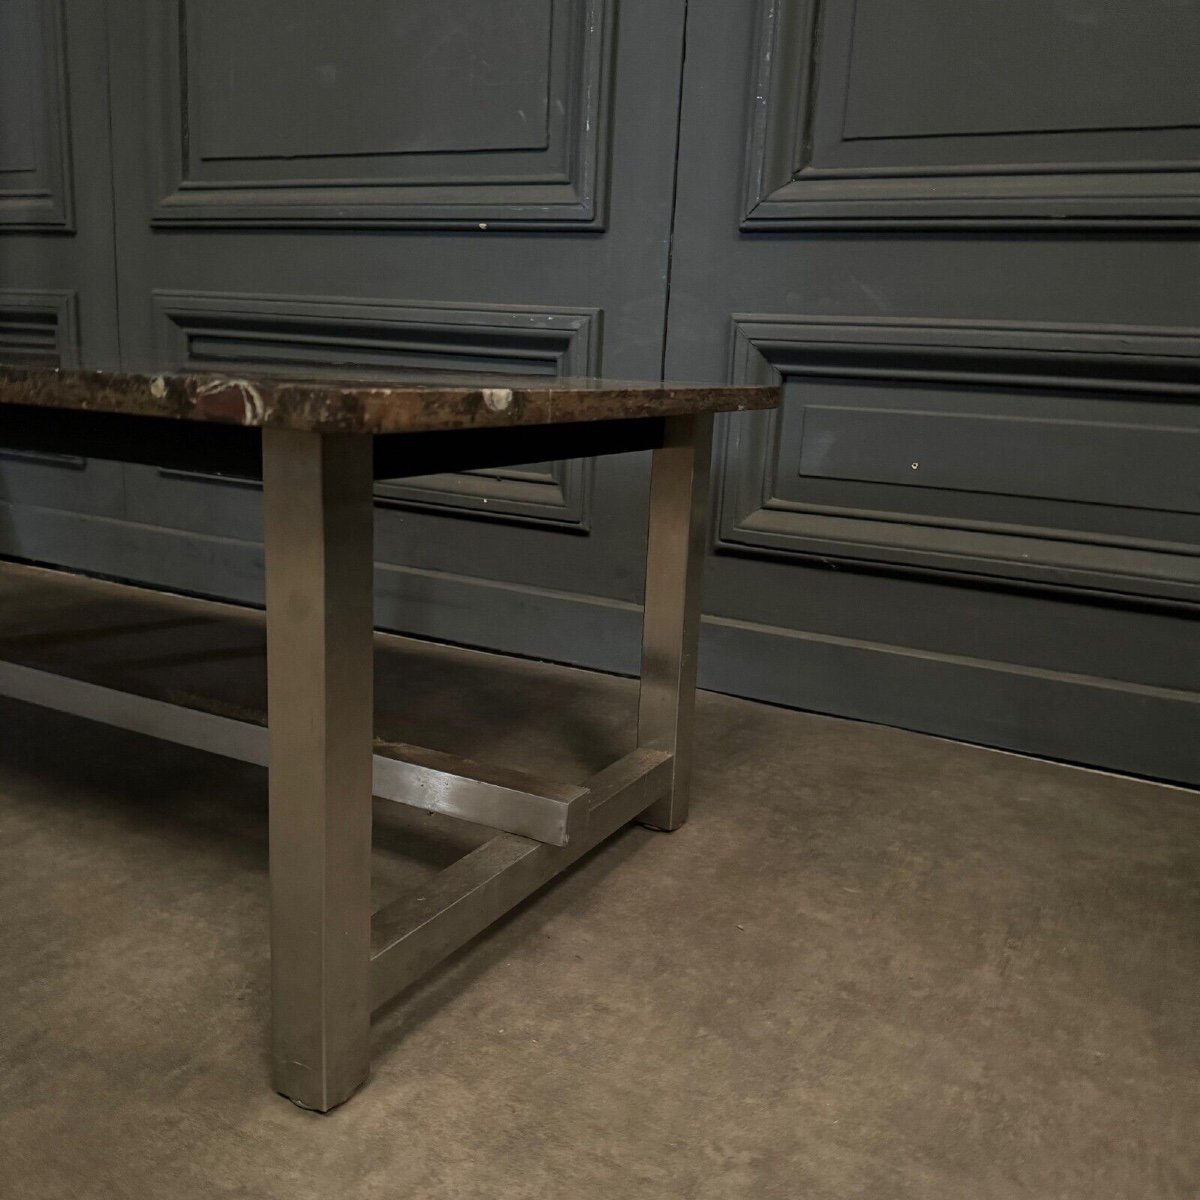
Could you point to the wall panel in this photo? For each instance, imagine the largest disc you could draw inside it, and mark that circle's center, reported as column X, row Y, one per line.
column 431, row 113
column 282, row 334
column 35, row 164
column 1053, row 455
column 956, row 112
column 962, row 234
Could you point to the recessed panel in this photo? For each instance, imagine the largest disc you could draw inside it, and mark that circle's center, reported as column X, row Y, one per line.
column 1103, row 460
column 282, row 334
column 275, row 79
column 928, row 68
column 965, row 111
column 39, row 327
column 33, row 167
column 409, row 113
column 20, row 86
column 1064, row 454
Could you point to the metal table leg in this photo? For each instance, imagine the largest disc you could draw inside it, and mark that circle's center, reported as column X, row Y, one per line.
column 671, row 629
column 318, row 510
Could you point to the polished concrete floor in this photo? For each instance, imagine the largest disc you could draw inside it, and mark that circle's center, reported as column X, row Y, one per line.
column 873, row 965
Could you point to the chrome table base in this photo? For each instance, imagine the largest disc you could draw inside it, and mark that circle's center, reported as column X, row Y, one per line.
column 333, row 960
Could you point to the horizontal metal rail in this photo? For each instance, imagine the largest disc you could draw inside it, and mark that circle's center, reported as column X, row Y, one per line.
column 511, row 801
column 514, row 801
column 415, row 932
column 192, row 727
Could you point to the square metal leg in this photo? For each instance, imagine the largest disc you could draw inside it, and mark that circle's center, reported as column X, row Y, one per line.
column 671, row 629
column 317, row 492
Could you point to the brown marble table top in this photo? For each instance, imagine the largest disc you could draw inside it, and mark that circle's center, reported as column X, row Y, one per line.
column 404, row 405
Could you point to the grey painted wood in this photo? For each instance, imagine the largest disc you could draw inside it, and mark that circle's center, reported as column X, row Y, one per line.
column 938, row 68
column 35, row 166
column 430, row 113
column 962, row 234
column 57, row 276
column 965, row 113
column 976, row 512
column 466, row 251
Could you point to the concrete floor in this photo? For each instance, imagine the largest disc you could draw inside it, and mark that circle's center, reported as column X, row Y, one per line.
column 873, row 965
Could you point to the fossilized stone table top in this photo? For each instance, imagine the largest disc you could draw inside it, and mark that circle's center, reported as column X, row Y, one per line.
column 371, row 406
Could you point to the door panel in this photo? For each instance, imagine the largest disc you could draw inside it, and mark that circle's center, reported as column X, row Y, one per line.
column 35, row 166
column 418, row 186
column 888, row 112
column 227, row 332
column 961, row 235
column 977, row 512
column 400, row 113
column 57, row 275
column 911, row 442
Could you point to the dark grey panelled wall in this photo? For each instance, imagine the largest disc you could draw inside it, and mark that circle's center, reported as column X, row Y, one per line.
column 409, row 184
column 962, row 233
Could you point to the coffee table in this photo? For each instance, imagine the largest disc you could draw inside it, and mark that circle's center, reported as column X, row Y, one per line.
column 318, row 445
